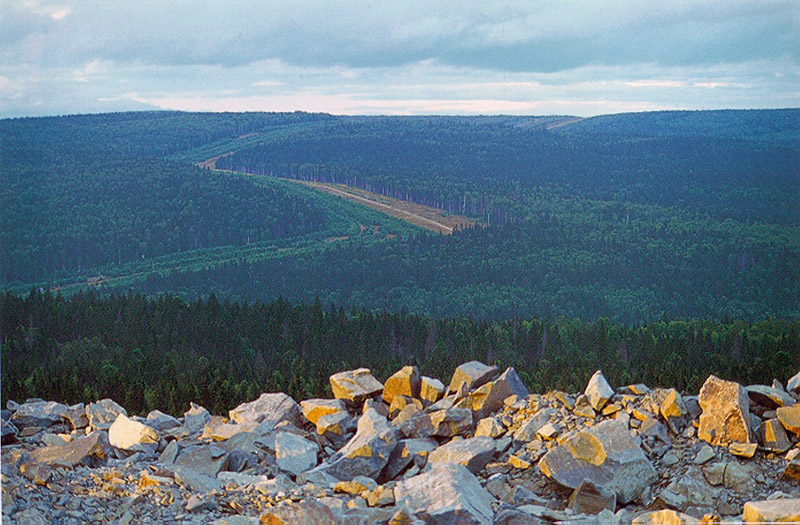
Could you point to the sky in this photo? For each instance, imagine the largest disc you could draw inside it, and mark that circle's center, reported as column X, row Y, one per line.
column 551, row 57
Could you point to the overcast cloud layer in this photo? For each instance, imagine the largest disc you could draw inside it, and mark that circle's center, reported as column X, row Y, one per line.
column 419, row 57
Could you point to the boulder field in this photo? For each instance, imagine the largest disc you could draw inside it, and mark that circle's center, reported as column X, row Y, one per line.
column 412, row 450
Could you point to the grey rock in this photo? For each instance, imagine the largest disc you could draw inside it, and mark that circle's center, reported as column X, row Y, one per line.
column 355, row 386
column 76, row 415
column 195, row 418
column 205, row 460
column 103, row 413
column 38, row 414
column 366, row 453
column 430, row 390
column 295, row 454
column 406, row 452
column 9, row 432
column 447, row 493
column 768, row 396
column 489, row 398
column 451, row 422
column 793, row 384
column 473, row 453
column 607, row 455
column 528, row 430
column 92, row 450
column 598, row 391
column 705, row 454
column 313, row 409
column 272, row 408
column 159, row 421
column 589, row 498
column 169, row 454
column 472, row 375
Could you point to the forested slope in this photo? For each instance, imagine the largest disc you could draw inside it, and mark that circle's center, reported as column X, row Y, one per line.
column 633, row 217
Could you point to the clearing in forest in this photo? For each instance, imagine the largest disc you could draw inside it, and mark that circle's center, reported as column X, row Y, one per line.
column 426, row 217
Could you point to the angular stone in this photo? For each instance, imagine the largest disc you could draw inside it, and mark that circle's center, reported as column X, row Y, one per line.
column 704, row 455
column 295, row 454
column 588, row 498
column 638, row 389
column 548, row 431
column 447, row 493
column 169, row 454
column 473, row 453
column 207, row 460
column 793, row 384
column 306, row 511
column 772, row 511
column 193, row 479
column 489, row 427
column 598, row 391
column 726, row 410
column 472, row 375
column 745, row 450
column 430, row 390
column 89, row 450
column 583, row 408
column 41, row 414
column 9, row 432
column 768, row 396
column 665, row 517
column 103, row 413
column 792, row 469
column 76, row 415
column 773, row 436
column 380, row 496
column 355, row 386
column 401, row 401
column 335, row 426
column 313, row 409
column 161, row 421
column 452, row 422
column 790, row 418
column 405, row 381
column 406, row 452
column 686, row 492
column 738, row 476
column 673, row 410
column 126, row 434
column 355, row 486
column 268, row 409
column 527, row 431
column 489, row 398
column 624, row 468
column 366, row 453
column 195, row 418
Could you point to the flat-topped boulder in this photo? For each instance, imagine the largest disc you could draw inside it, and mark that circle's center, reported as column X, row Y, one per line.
column 772, row 511
column 294, row 453
column 268, row 409
column 790, row 418
column 768, row 396
column 473, row 453
column 355, row 386
column 726, row 412
column 471, row 375
column 405, row 381
column 430, row 390
column 38, row 414
column 313, row 409
column 91, row 449
column 447, row 493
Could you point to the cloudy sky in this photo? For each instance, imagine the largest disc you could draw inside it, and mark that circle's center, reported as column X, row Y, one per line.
column 403, row 57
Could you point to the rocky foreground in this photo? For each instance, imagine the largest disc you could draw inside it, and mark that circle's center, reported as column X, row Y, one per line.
column 481, row 450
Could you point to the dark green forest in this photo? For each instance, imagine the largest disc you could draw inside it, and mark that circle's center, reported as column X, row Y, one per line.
column 669, row 240
column 165, row 352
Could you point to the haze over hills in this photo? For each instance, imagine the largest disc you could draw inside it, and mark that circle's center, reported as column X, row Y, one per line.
column 634, row 217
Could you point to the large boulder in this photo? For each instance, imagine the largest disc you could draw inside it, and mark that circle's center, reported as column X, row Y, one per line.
column 598, row 391
column 366, row 453
column 38, row 414
column 355, row 386
column 195, row 418
column 294, row 453
column 128, row 434
column 772, row 436
column 447, row 493
column 772, row 511
column 607, row 455
column 405, row 381
column 768, row 396
column 473, row 453
column 451, row 422
column 91, row 449
column 790, row 418
column 103, row 413
column 430, row 390
column 472, row 374
column 406, row 452
column 726, row 412
column 207, row 460
column 489, row 398
column 268, row 409
column 313, row 409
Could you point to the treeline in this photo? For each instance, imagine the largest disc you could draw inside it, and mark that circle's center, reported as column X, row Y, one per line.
column 164, row 352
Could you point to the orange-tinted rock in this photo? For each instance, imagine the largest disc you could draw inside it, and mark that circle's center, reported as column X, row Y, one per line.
column 726, row 412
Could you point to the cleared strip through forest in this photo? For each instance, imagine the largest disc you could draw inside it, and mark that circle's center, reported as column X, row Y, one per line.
column 423, row 216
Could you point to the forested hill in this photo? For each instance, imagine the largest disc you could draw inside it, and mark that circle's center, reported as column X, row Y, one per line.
column 634, row 217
